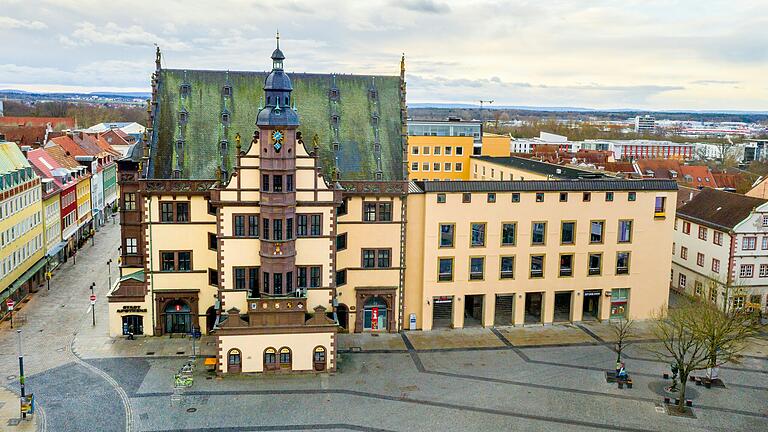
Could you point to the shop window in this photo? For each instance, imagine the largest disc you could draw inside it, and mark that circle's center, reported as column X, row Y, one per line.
column 318, row 359
column 270, row 359
column 619, row 303
column 285, row 358
column 375, row 314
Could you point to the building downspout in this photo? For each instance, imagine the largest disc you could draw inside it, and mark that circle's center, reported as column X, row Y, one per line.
column 151, row 273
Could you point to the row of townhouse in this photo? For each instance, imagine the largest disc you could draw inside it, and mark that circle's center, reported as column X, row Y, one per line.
column 720, row 250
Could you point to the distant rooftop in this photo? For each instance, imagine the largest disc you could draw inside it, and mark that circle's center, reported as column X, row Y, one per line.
column 606, row 184
column 544, row 168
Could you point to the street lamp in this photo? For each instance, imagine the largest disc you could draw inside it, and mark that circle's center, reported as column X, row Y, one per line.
column 21, row 373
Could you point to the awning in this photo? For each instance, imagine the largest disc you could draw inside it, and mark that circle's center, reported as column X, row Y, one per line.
column 137, row 276
column 23, row 278
column 56, row 249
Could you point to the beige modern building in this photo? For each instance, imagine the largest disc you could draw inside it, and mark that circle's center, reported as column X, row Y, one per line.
column 531, row 252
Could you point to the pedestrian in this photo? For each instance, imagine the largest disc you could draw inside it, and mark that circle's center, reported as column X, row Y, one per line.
column 130, row 332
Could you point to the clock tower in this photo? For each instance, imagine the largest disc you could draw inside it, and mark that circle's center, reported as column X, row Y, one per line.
column 277, row 123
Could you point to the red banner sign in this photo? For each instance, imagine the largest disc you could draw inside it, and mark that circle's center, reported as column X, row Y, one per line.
column 374, row 318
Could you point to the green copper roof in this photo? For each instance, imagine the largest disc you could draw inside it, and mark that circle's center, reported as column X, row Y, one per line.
column 354, row 117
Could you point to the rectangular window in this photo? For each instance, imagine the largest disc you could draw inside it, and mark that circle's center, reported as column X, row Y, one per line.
column 341, row 277
column 131, row 246
column 239, row 229
column 448, row 151
column 491, row 197
column 289, row 182
column 253, row 280
column 596, row 231
column 182, row 212
column 698, row 288
column 508, row 234
column 341, row 242
column 301, row 277
column 765, row 220
column 213, row 277
column 277, row 283
column 632, row 196
column 414, row 166
column 622, row 263
column 538, row 233
column 563, row 196
column 539, row 197
column 265, row 225
column 315, row 229
column 459, row 151
column 586, row 196
column 447, row 166
column 738, row 301
column 476, row 268
column 184, row 261
column 369, row 212
column 466, row 197
column 765, row 243
column 763, row 270
column 595, row 264
column 625, row 231
column 240, row 282
column 168, row 261
column 369, row 258
column 749, row 243
column 747, row 270
column 441, row 198
column 537, row 266
column 566, row 265
column 609, row 196
column 425, row 166
column 568, row 233
column 277, row 183
column 659, row 207
column 212, row 241
column 683, row 252
column 702, row 233
column 515, row 197
column 445, row 269
column 458, row 165
column 415, row 150
column 436, row 150
column 343, row 207
column 700, row 259
column 383, row 258
column 166, row 212
column 253, row 225
column 715, row 265
column 507, row 267
column 265, row 182
column 477, row 235
column 436, row 166
column 686, row 227
column 314, row 277
column 277, row 229
column 385, row 212
column 446, row 235
column 129, row 201
column 301, row 225
column 682, row 281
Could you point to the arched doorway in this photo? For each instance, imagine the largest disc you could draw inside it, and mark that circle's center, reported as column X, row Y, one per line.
column 234, row 361
column 210, row 319
column 375, row 314
column 178, row 317
column 318, row 358
column 342, row 313
column 285, row 359
column 270, row 359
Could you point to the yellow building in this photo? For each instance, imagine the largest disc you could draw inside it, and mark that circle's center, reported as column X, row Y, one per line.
column 52, row 221
column 495, row 145
column 84, row 214
column 532, row 252
column 22, row 247
column 519, row 168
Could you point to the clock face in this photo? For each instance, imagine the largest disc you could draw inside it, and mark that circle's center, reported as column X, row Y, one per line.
column 277, row 137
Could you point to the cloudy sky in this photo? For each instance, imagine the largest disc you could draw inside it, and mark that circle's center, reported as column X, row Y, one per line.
column 651, row 54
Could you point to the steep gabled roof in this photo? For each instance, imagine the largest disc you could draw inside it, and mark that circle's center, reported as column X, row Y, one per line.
column 697, row 176
column 719, row 208
column 60, row 155
column 24, row 135
column 341, row 109
column 658, row 168
column 67, row 144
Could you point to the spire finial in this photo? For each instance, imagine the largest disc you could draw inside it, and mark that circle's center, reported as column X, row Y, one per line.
column 402, row 65
column 278, row 38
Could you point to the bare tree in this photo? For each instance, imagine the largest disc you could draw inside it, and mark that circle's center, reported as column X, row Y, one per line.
column 681, row 344
column 622, row 329
column 725, row 333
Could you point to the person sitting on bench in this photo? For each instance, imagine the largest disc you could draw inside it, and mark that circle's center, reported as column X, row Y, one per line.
column 622, row 374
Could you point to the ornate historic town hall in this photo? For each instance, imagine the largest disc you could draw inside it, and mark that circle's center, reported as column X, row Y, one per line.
column 270, row 211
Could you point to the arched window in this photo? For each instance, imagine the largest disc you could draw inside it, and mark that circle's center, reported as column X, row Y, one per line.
column 270, row 359
column 285, row 358
column 234, row 361
column 178, row 317
column 375, row 314
column 318, row 358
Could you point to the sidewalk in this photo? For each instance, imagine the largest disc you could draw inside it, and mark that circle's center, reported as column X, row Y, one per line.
column 9, row 413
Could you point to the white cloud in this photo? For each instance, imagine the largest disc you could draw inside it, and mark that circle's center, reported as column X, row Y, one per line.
column 110, row 33
column 13, row 23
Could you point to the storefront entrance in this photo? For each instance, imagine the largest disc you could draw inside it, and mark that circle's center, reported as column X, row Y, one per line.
column 473, row 311
column 342, row 314
column 563, row 306
column 533, row 305
column 234, row 361
column 133, row 324
column 375, row 314
column 591, row 308
column 178, row 318
column 442, row 312
column 504, row 314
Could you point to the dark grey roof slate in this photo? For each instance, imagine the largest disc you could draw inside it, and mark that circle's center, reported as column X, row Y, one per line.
column 547, row 185
column 545, row 168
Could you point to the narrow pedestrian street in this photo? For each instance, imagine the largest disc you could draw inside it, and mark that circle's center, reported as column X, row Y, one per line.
column 49, row 321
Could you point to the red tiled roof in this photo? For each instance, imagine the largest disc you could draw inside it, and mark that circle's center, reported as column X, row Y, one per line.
column 60, row 155
column 697, row 176
column 69, row 146
column 117, row 137
column 104, row 145
column 660, row 167
column 619, row 167
column 726, row 180
column 56, row 122
column 24, row 135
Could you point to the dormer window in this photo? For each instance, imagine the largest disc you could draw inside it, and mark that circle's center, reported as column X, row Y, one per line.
column 224, row 144
column 227, row 90
column 185, row 90
column 183, row 116
column 225, row 118
column 335, row 120
column 373, row 93
column 334, row 94
column 375, row 120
